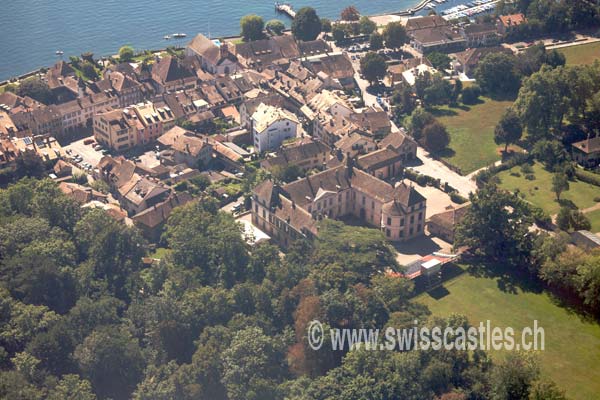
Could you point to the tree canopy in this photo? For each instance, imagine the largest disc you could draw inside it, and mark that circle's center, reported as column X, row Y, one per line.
column 306, row 24
column 373, row 67
column 252, row 27
column 395, row 35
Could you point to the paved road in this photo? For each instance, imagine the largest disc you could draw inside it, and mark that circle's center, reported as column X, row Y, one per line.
column 430, row 166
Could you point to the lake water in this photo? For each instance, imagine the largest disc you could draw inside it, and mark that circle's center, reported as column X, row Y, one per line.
column 31, row 31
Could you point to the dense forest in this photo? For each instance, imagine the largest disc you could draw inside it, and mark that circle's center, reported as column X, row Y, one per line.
column 85, row 315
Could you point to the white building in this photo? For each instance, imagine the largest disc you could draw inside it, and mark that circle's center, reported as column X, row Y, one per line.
column 271, row 126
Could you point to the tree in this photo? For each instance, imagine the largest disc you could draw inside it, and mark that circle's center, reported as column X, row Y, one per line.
column 35, row 88
column 435, row 137
column 403, row 99
column 112, row 361
column 395, row 35
column 325, row 24
column 89, row 70
column 306, row 24
column 560, row 183
column 252, row 27
column 579, row 221
column 373, row 67
column 251, row 365
column 126, row 54
column 563, row 218
column 208, row 243
column 439, row 91
column 496, row 225
column 276, row 27
column 72, row 387
column 550, row 152
column 30, row 164
column 366, row 25
column 376, row 41
column 112, row 252
column 470, row 94
column 350, row 13
column 497, row 75
column 508, row 130
column 439, row 61
column 419, row 119
column 544, row 101
column 339, row 33
column 513, row 378
column 456, row 91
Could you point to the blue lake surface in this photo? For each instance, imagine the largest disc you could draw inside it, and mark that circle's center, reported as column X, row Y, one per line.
column 31, row 31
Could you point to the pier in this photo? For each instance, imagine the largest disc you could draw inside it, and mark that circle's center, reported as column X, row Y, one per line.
column 414, row 9
column 285, row 9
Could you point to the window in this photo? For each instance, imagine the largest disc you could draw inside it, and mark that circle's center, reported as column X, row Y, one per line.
column 389, row 221
column 401, row 221
column 420, row 215
column 412, row 219
column 401, row 233
column 372, row 205
column 318, row 206
column 387, row 232
column 410, row 231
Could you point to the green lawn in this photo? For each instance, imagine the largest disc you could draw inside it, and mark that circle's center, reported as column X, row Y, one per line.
column 582, row 53
column 472, row 133
column 572, row 344
column 594, row 218
column 539, row 191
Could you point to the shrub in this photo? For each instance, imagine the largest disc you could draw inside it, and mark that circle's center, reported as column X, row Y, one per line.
column 526, row 169
column 530, row 177
column 587, row 177
column 515, row 173
column 457, row 198
column 470, row 95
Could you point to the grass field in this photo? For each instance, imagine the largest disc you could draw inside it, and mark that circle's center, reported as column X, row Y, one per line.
column 582, row 53
column 572, row 344
column 471, row 131
column 539, row 191
column 594, row 218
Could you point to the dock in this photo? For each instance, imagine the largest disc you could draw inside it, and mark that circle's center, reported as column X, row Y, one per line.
column 285, row 8
column 414, row 9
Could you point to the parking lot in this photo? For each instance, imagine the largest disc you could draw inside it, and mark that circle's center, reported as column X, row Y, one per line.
column 84, row 154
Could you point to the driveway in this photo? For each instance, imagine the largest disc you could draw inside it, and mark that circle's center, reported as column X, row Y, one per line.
column 436, row 169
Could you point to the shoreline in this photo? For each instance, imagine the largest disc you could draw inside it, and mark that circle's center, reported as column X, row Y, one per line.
column 405, row 13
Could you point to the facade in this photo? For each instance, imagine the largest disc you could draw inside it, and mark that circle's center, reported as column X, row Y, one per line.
column 338, row 192
column 443, row 224
column 587, row 152
column 506, row 23
column 215, row 56
column 484, row 34
column 271, row 126
column 115, row 129
column 307, row 155
column 434, row 33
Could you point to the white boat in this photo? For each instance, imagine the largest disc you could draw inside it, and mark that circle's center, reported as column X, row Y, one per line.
column 59, row 52
column 167, row 37
column 179, row 35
